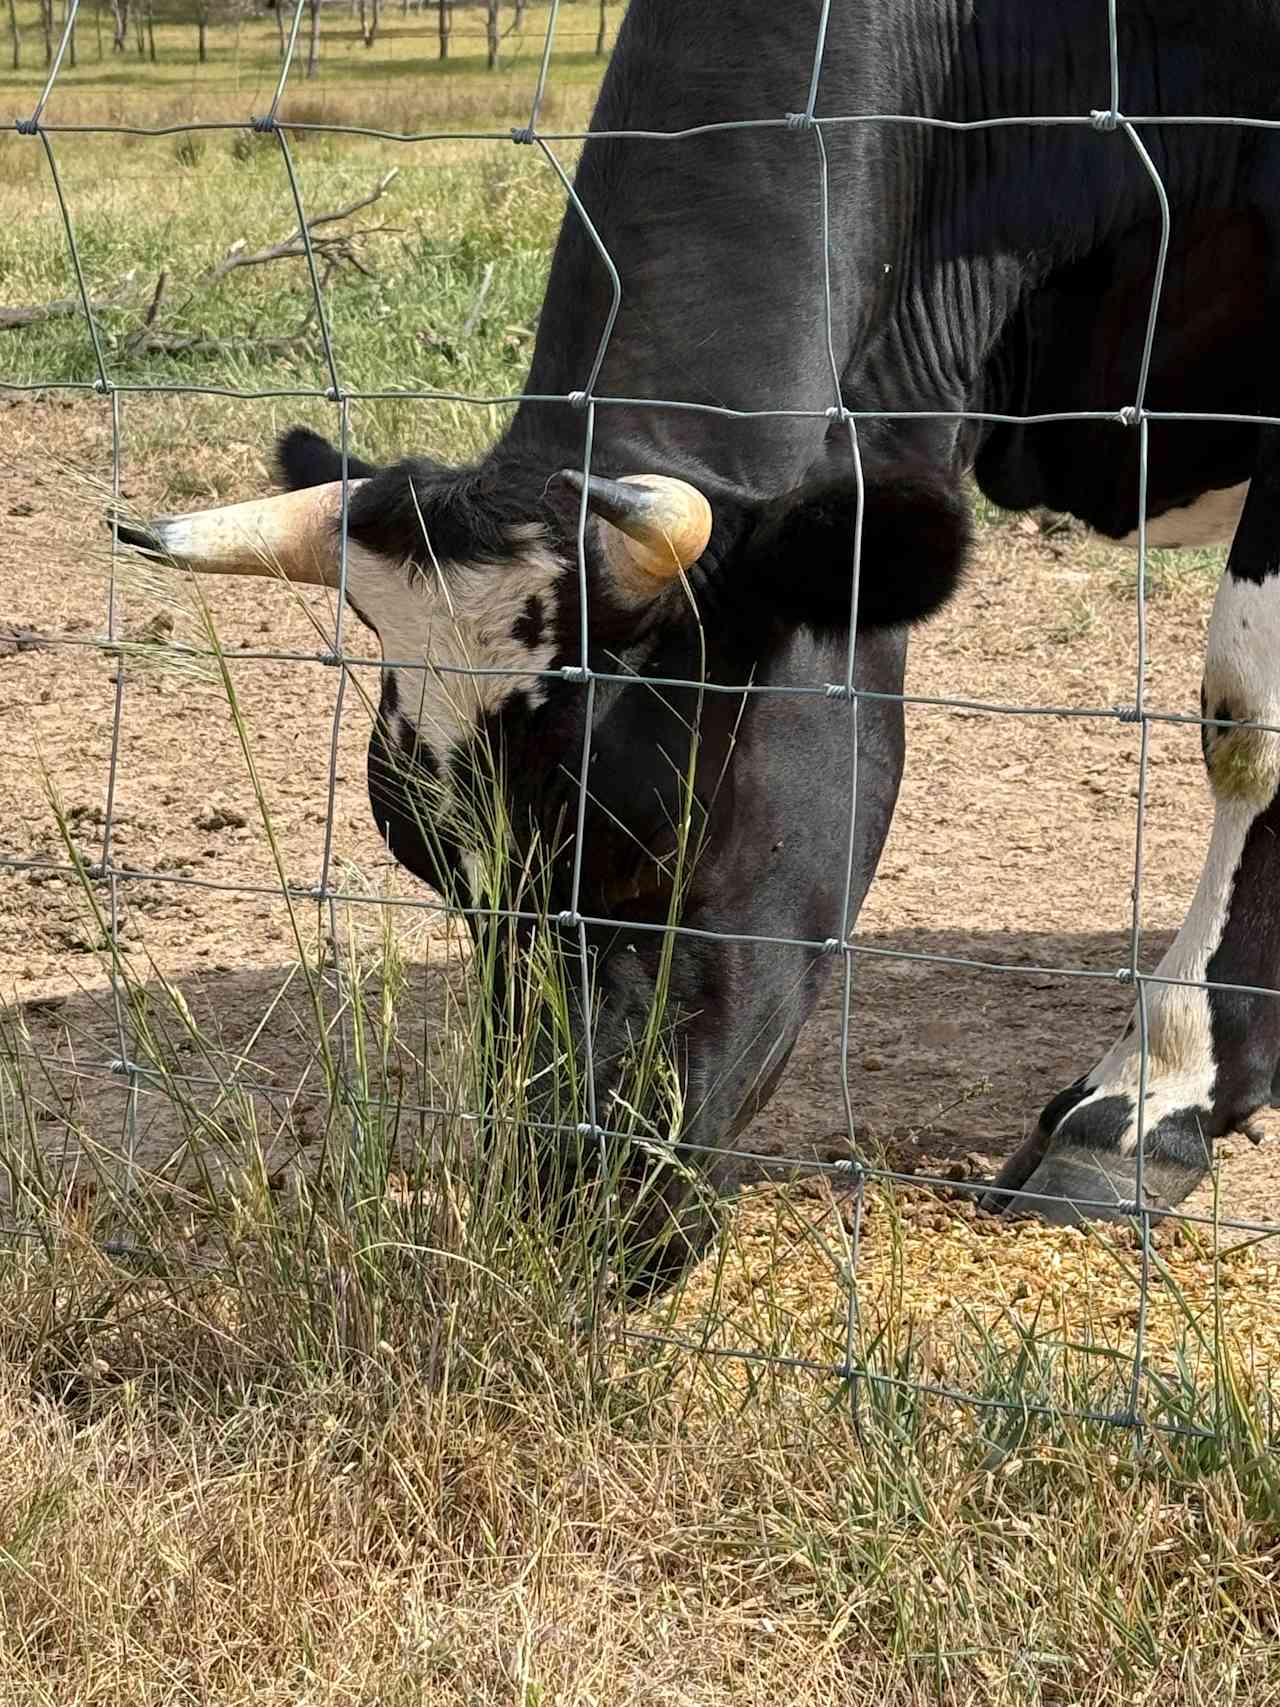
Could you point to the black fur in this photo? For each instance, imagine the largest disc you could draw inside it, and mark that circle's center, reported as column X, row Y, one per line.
column 958, row 276
column 305, row 459
column 915, row 536
column 790, row 558
column 528, row 626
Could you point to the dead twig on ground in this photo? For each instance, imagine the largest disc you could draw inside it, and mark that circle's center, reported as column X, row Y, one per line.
column 332, row 249
column 12, row 319
column 294, row 247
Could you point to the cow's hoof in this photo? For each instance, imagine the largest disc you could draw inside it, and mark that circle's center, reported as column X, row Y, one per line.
column 1065, row 1184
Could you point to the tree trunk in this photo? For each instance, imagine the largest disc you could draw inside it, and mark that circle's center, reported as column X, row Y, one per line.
column 139, row 32
column 603, row 30
column 519, row 17
column 313, row 45
column 16, row 34
column 202, row 39
column 46, row 24
column 280, row 30
column 71, row 40
column 97, row 26
column 446, row 23
column 151, row 32
column 120, row 25
column 491, row 32
column 369, row 22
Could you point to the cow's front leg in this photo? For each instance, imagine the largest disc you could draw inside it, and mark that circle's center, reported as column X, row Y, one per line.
column 1213, row 1056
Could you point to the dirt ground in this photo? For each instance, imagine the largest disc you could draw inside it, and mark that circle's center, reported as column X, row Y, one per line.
column 1013, row 841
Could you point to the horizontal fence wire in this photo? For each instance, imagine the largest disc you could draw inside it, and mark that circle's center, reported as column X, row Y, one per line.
column 140, row 1085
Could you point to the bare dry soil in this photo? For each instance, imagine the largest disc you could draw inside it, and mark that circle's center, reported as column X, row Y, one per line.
column 1013, row 842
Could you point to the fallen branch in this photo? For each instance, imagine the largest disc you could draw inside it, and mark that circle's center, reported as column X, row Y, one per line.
column 333, row 251
column 195, row 344
column 293, row 247
column 147, row 340
column 12, row 319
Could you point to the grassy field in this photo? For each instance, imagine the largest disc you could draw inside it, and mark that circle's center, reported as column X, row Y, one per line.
column 438, row 290
column 356, row 1438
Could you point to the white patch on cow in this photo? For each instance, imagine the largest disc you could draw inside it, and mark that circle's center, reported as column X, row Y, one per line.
column 1180, row 1061
column 1244, row 770
column 1211, row 520
column 1242, row 681
column 456, row 617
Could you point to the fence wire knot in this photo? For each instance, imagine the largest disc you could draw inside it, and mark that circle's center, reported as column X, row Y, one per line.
column 125, row 1068
column 839, row 690
column 574, row 673
column 264, row 125
column 1125, row 975
column 1104, row 118
column 523, row 133
column 569, row 918
column 27, row 127
column 1130, row 415
column 1129, row 713
column 577, row 399
column 800, row 121
column 832, row 945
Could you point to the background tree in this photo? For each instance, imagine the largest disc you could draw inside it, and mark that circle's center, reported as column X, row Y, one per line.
column 491, row 32
column 16, row 34
column 445, row 26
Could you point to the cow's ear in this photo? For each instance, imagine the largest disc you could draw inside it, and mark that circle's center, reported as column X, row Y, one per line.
column 915, row 535
column 304, row 459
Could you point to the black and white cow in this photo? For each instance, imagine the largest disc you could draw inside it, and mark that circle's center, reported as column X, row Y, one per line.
column 994, row 272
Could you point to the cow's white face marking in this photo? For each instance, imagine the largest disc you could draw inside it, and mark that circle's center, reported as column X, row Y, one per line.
column 457, row 617
column 1211, row 520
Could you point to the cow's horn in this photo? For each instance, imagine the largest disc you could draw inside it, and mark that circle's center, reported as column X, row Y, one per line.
column 657, row 526
column 294, row 535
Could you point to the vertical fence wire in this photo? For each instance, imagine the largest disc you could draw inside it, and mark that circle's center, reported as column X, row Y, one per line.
column 592, row 1134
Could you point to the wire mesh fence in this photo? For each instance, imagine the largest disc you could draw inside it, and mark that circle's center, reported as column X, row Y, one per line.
column 110, row 875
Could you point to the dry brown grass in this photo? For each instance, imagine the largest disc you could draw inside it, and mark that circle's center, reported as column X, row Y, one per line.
column 186, row 1515
column 212, row 1490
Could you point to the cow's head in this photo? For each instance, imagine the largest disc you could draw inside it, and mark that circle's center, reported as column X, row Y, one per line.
column 735, row 805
